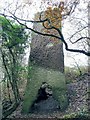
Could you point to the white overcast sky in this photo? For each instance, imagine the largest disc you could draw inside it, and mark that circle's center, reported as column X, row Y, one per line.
column 80, row 58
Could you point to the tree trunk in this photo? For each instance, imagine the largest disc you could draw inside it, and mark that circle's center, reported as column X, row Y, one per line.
column 88, row 57
column 1, row 76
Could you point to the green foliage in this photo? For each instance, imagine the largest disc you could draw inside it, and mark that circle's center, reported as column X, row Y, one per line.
column 23, row 74
column 13, row 35
column 14, row 42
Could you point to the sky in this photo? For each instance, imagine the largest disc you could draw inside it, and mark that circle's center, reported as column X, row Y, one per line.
column 68, row 56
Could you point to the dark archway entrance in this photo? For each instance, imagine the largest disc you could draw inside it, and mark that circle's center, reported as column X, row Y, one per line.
column 44, row 92
column 44, row 102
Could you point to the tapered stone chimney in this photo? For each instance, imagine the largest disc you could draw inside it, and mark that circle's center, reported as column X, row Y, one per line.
column 46, row 65
column 46, row 51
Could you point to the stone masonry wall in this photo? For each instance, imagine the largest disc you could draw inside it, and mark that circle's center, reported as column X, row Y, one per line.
column 45, row 52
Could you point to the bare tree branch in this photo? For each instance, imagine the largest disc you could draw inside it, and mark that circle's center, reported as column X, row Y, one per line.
column 60, row 37
column 79, row 39
column 76, row 33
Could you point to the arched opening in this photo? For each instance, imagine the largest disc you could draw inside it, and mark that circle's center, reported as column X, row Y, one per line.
column 44, row 101
column 44, row 92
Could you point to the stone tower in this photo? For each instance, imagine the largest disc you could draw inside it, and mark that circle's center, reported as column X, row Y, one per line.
column 46, row 64
column 46, row 51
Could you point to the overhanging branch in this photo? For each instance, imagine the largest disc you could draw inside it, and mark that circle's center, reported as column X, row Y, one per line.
column 60, row 37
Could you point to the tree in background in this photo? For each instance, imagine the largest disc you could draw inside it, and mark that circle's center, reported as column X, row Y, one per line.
column 14, row 40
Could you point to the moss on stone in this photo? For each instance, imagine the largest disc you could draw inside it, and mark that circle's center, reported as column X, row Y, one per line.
column 54, row 78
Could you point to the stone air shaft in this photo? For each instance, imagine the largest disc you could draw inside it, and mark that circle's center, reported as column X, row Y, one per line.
column 46, row 65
